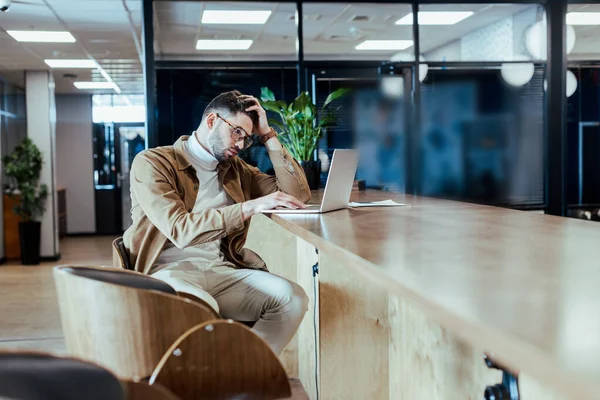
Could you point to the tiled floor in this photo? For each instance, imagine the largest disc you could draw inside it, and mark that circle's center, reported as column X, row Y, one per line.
column 29, row 316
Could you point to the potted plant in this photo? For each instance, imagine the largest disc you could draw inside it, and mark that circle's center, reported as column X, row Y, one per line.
column 301, row 127
column 23, row 168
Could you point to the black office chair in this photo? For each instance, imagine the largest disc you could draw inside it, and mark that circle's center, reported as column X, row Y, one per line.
column 41, row 376
column 118, row 277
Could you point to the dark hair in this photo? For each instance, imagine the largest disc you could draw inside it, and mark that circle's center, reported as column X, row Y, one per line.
column 229, row 104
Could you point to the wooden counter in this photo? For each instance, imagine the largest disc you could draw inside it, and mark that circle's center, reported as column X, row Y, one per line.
column 409, row 298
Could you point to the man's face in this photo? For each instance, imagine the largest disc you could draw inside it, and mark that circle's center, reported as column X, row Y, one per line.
column 220, row 140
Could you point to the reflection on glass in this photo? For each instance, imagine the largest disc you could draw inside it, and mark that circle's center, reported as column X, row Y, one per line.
column 583, row 113
column 356, row 31
column 379, row 135
column 225, row 31
column 482, row 32
column 104, row 156
column 584, row 21
column 132, row 141
column 482, row 139
column 13, row 124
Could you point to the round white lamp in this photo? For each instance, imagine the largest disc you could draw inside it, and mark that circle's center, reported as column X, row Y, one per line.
column 392, row 86
column 517, row 74
column 536, row 40
column 407, row 57
column 571, row 84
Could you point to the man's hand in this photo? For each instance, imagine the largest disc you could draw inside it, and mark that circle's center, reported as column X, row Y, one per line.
column 263, row 127
column 274, row 200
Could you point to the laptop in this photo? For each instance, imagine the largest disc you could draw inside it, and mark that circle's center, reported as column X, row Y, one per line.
column 338, row 187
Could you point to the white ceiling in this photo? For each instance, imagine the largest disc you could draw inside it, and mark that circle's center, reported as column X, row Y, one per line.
column 101, row 28
column 104, row 32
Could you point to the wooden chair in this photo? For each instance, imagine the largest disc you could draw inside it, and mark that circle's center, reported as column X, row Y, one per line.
column 223, row 359
column 143, row 391
column 121, row 259
column 122, row 320
column 121, row 255
column 36, row 375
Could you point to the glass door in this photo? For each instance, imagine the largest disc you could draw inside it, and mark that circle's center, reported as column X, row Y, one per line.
column 589, row 163
column 131, row 142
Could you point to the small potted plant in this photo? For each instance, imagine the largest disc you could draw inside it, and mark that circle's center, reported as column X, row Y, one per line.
column 301, row 128
column 23, row 168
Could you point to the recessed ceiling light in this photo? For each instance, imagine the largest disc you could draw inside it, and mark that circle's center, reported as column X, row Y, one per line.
column 221, row 44
column 436, row 17
column 97, row 85
column 71, row 63
column 42, row 36
column 384, row 45
column 235, row 16
column 583, row 18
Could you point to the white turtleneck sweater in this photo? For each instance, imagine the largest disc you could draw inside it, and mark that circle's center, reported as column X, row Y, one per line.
column 210, row 195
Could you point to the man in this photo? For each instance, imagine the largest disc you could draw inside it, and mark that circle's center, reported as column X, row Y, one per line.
column 191, row 209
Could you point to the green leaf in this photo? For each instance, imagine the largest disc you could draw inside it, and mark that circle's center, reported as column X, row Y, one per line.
column 309, row 111
column 327, row 120
column 298, row 128
column 277, row 124
column 23, row 168
column 336, row 95
column 266, row 94
column 271, row 106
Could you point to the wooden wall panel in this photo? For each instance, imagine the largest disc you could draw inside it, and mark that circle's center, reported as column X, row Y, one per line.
column 354, row 333
column 277, row 247
column 292, row 258
column 308, row 334
column 428, row 362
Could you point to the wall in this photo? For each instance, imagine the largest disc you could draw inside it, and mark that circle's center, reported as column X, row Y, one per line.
column 41, row 129
column 74, row 163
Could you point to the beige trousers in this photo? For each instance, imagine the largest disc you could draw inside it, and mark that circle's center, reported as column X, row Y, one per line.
column 277, row 304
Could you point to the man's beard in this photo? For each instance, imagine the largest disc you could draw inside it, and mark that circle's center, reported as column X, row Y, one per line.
column 217, row 146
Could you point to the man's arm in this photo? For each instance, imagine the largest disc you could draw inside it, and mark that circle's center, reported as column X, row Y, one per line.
column 289, row 175
column 161, row 203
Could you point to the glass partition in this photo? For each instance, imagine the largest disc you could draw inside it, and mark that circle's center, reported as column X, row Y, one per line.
column 583, row 112
column 482, row 103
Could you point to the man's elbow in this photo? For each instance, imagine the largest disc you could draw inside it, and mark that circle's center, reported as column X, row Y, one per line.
column 177, row 236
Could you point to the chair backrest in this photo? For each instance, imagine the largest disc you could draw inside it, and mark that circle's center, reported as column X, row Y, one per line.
column 222, row 359
column 124, row 323
column 119, row 277
column 37, row 376
column 40, row 376
column 121, row 255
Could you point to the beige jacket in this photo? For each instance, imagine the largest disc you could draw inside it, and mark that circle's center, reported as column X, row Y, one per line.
column 163, row 193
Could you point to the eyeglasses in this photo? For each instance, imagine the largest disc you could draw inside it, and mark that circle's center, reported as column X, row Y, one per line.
column 238, row 133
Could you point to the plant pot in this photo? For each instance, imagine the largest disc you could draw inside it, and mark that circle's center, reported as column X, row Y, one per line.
column 29, row 236
column 312, row 170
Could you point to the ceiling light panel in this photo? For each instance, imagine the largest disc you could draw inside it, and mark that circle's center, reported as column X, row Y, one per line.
column 436, row 17
column 222, row 44
column 583, row 18
column 71, row 63
column 235, row 16
column 97, row 85
column 42, row 36
column 384, row 45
